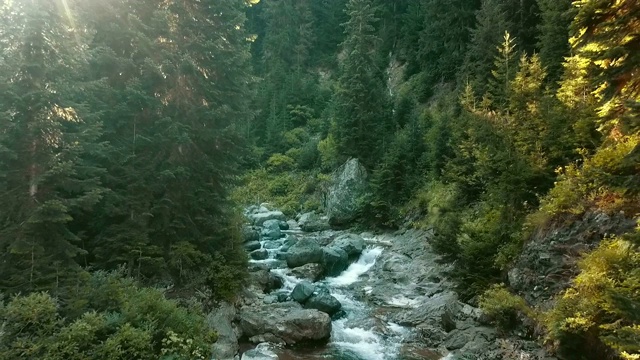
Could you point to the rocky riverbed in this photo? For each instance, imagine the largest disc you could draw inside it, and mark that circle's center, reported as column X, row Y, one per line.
column 316, row 293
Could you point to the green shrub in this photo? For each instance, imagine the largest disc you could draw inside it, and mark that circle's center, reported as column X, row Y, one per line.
column 120, row 321
column 503, row 307
column 603, row 304
column 280, row 163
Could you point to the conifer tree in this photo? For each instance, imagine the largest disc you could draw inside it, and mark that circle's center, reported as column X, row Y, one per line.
column 48, row 140
column 553, row 35
column 362, row 118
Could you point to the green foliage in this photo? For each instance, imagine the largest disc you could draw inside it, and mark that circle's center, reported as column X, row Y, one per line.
column 602, row 304
column 118, row 321
column 503, row 307
column 279, row 163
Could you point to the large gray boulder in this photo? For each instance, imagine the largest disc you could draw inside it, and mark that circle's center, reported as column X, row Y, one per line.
column 303, row 252
column 348, row 184
column 221, row 321
column 311, row 272
column 259, row 218
column 334, row 260
column 271, row 229
column 437, row 310
column 352, row 244
column 252, row 245
column 324, row 302
column 311, row 222
column 249, row 233
column 261, row 352
column 259, row 254
column 287, row 322
column 302, row 291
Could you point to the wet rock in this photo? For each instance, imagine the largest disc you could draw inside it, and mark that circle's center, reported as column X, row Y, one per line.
column 286, row 321
column 334, row 260
column 250, row 233
column 302, row 291
column 324, row 302
column 432, row 310
column 311, row 222
column 415, row 351
column 221, row 321
column 253, row 245
column 473, row 340
column 259, row 218
column 311, row 272
column 259, row 254
column 271, row 229
column 348, row 184
column 284, row 225
column 271, row 244
column 261, row 352
column 304, row 252
column 265, row 281
column 352, row 244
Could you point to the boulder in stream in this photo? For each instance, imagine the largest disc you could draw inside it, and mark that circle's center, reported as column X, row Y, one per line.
column 271, row 229
column 226, row 347
column 285, row 321
column 302, row 291
column 259, row 218
column 352, row 244
column 324, row 302
column 335, row 260
column 259, row 254
column 305, row 251
column 250, row 233
column 253, row 245
column 311, row 272
column 311, row 222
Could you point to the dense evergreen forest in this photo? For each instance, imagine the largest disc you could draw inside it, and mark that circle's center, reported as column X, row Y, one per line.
column 132, row 131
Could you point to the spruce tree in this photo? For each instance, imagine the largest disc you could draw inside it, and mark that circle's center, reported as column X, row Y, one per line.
column 48, row 141
column 362, row 117
column 553, row 35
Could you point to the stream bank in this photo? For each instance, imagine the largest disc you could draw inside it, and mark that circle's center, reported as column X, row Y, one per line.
column 326, row 294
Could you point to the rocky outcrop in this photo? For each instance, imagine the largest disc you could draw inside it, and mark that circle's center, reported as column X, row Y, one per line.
column 311, row 222
column 548, row 261
column 348, row 185
column 288, row 323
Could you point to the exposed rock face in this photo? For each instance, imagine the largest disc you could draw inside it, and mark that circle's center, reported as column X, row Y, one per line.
column 221, row 320
column 287, row 322
column 311, row 221
column 549, row 261
column 305, row 251
column 348, row 184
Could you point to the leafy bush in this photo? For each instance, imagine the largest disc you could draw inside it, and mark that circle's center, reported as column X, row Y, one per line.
column 280, row 162
column 603, row 304
column 118, row 321
column 503, row 307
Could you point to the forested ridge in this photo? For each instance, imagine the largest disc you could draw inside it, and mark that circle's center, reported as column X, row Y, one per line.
column 132, row 131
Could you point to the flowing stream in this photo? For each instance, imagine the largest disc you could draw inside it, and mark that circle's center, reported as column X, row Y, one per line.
column 359, row 335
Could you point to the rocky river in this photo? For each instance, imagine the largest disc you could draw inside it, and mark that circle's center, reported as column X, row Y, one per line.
column 316, row 293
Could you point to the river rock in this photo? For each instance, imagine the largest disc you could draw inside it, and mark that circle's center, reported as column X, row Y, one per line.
column 348, row 184
column 284, row 225
column 259, row 218
column 324, row 302
column 311, row 272
column 311, row 222
column 253, row 245
column 262, row 352
column 352, row 244
column 259, row 254
column 302, row 291
column 265, row 281
column 286, row 321
column 334, row 260
column 305, row 251
column 433, row 310
column 271, row 229
column 221, row 321
column 249, row 233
